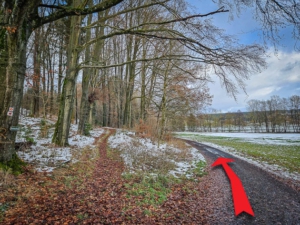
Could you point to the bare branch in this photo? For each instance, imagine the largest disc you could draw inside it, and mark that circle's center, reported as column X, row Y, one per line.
column 70, row 11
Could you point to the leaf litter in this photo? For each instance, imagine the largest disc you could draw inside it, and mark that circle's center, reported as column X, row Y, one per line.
column 93, row 191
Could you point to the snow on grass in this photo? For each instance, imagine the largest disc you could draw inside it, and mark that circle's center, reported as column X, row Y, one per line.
column 43, row 154
column 259, row 138
column 273, row 168
column 141, row 154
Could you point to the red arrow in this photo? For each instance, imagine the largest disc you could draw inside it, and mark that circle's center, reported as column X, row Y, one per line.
column 240, row 199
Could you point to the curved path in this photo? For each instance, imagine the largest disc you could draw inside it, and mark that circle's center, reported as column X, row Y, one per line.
column 273, row 202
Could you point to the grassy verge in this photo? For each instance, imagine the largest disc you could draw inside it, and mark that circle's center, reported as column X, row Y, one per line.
column 287, row 156
column 149, row 190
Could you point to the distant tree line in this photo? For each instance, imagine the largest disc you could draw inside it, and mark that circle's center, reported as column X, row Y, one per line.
column 276, row 115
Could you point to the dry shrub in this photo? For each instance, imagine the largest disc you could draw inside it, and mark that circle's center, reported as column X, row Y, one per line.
column 146, row 129
column 142, row 130
column 177, row 143
column 168, row 136
column 143, row 159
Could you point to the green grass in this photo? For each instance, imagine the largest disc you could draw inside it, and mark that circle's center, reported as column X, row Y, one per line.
column 199, row 170
column 149, row 190
column 287, row 156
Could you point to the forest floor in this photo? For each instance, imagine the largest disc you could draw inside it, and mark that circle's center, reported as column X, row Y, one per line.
column 95, row 191
column 124, row 179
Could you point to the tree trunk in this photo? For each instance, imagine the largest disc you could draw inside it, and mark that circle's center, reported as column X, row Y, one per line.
column 130, row 85
column 86, row 76
column 62, row 126
column 92, row 113
column 37, row 75
column 164, row 103
column 60, row 70
column 143, row 85
column 13, row 41
column 104, row 93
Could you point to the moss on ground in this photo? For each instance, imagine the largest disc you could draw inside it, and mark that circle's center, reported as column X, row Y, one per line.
column 16, row 165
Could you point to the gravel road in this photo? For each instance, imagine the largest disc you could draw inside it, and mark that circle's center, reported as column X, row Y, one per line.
column 273, row 201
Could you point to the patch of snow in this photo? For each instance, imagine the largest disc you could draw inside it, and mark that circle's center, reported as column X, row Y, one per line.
column 43, row 154
column 135, row 148
column 96, row 132
column 81, row 141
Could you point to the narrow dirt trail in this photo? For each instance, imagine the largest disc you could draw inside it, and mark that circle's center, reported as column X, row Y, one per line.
column 71, row 198
column 273, row 202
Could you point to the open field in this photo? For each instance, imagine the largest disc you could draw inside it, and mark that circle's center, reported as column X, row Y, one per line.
column 282, row 150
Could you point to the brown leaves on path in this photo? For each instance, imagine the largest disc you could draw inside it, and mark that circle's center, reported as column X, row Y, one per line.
column 94, row 192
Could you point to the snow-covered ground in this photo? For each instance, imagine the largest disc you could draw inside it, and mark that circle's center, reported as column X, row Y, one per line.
column 43, row 154
column 141, row 154
column 259, row 138
column 134, row 150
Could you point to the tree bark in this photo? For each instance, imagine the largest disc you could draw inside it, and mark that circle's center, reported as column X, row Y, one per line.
column 62, row 126
column 36, row 76
column 130, row 86
column 86, row 75
column 143, row 85
column 13, row 38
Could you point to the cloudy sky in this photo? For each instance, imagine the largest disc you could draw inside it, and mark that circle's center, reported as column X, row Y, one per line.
column 281, row 76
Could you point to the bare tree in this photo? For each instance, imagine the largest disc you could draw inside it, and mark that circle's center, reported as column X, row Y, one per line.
column 273, row 15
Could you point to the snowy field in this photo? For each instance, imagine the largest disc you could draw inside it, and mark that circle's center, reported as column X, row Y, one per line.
column 259, row 138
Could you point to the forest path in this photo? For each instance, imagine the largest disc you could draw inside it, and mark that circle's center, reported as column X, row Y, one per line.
column 87, row 192
column 93, row 191
column 273, row 202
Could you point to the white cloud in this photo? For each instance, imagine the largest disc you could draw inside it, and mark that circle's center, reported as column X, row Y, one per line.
column 262, row 92
column 281, row 77
column 282, row 69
